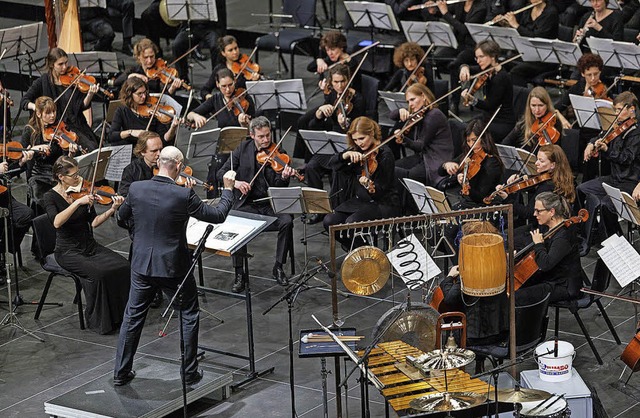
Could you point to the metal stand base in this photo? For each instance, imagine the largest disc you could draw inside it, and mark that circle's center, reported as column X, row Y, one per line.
column 11, row 319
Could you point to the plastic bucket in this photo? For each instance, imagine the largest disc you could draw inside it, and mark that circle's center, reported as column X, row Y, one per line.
column 555, row 369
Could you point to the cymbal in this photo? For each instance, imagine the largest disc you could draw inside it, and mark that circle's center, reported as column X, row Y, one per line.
column 415, row 325
column 365, row 270
column 446, row 359
column 443, row 402
column 519, row 395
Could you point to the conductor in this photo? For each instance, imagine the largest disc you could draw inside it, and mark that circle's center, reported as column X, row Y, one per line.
column 160, row 210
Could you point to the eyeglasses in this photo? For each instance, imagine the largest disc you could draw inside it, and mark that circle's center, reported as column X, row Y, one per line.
column 535, row 210
column 73, row 176
column 140, row 93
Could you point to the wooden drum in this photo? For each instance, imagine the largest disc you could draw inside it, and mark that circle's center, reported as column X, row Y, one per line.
column 483, row 264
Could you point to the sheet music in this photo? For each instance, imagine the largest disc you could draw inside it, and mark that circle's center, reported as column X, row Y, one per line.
column 412, row 262
column 119, row 159
column 419, row 195
column 393, row 100
column 286, row 199
column 585, row 110
column 226, row 236
column 621, row 258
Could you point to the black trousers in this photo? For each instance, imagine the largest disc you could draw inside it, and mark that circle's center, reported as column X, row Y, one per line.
column 154, row 26
column 101, row 29
column 200, row 32
column 125, row 9
column 316, row 168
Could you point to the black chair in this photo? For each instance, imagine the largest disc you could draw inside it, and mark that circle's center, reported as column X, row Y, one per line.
column 45, row 234
column 570, row 144
column 531, row 329
column 369, row 91
column 599, row 283
column 565, row 33
column 292, row 40
column 441, row 88
column 520, row 96
column 630, row 35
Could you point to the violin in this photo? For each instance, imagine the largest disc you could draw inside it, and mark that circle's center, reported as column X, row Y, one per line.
column 417, row 77
column 527, row 266
column 471, row 166
column 369, row 166
column 616, row 132
column 477, row 84
column 84, row 81
column 278, row 160
column 5, row 96
column 544, row 130
column 187, row 173
column 598, row 91
column 345, row 106
column 166, row 75
column 62, row 135
column 519, row 185
column 103, row 194
column 165, row 113
column 238, row 103
column 12, row 150
column 246, row 67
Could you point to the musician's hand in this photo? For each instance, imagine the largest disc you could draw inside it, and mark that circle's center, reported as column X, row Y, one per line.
column 460, row 178
column 353, row 156
column 322, row 84
column 592, row 23
column 451, row 168
column 579, row 34
column 73, row 148
column 229, row 180
column 536, row 236
column 638, row 37
column 254, row 77
column 636, row 192
column 464, row 73
column 399, row 138
column 322, row 67
column 92, row 90
column 26, row 156
column 454, row 271
column 588, row 151
column 243, row 186
column 117, row 202
column 404, row 114
column 140, row 76
column 287, row 172
column 244, row 119
column 324, row 111
column 364, row 181
column 511, row 20
column 189, row 183
column 466, row 97
column 86, row 200
column 4, row 167
column 175, row 85
column 502, row 193
column 198, row 120
column 514, row 177
column 442, row 7
column 601, row 146
column 564, row 121
column 208, row 96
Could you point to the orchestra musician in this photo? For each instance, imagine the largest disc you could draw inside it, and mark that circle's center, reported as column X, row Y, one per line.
column 249, row 197
column 490, row 168
column 155, row 27
column 49, row 84
column 95, row 20
column 333, row 49
column 146, row 53
column 4, row 92
column 235, row 113
column 129, row 122
column 601, row 22
column 406, row 57
column 558, row 259
column 623, row 152
column 497, row 89
column 103, row 273
column 539, row 108
column 372, row 193
column 161, row 223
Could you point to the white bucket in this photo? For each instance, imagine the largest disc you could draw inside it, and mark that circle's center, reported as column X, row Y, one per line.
column 554, row 369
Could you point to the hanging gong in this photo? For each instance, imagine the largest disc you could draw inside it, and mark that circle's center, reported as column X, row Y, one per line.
column 415, row 326
column 365, row 270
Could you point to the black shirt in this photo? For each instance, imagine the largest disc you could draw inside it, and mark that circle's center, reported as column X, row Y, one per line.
column 124, row 119
column 545, row 26
column 226, row 117
column 457, row 18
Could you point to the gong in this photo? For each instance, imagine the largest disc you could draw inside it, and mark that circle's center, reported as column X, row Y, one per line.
column 415, row 326
column 365, row 270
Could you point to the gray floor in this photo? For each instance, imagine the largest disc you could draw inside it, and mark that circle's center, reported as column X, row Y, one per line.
column 32, row 372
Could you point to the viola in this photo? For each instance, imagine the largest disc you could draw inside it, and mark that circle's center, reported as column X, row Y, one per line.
column 187, row 173
column 527, row 266
column 245, row 67
column 620, row 129
column 103, row 194
column 345, row 106
column 471, row 166
column 84, row 81
column 12, row 150
column 369, row 166
column 238, row 103
column 598, row 91
column 165, row 113
column 477, row 84
column 166, row 75
column 62, row 135
column 519, row 185
column 544, row 130
column 278, row 160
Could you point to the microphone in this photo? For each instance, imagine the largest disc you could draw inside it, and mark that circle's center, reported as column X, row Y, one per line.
column 324, row 268
column 200, row 246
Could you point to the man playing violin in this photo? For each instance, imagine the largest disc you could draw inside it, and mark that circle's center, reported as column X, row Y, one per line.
column 623, row 152
column 131, row 120
column 248, row 195
column 333, row 48
column 238, row 112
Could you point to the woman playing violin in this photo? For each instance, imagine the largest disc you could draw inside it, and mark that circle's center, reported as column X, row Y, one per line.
column 238, row 112
column 146, row 53
column 539, row 108
column 49, row 84
column 333, row 49
column 497, row 89
column 40, row 153
column 558, row 259
column 103, row 273
column 372, row 193
column 491, row 168
column 406, row 57
column 129, row 120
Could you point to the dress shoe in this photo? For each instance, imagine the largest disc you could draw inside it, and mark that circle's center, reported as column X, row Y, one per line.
column 238, row 284
column 280, row 276
column 157, row 299
column 584, row 248
column 127, row 49
column 194, row 378
column 197, row 54
column 315, row 218
column 119, row 381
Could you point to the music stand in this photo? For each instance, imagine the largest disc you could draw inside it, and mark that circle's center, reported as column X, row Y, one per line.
column 87, row 163
column 119, row 159
column 324, row 142
column 428, row 199
column 611, row 4
column 517, row 159
column 278, row 95
column 393, row 100
column 365, row 14
column 615, row 54
column 430, row 33
column 540, row 51
column 626, row 207
column 502, row 36
column 586, row 108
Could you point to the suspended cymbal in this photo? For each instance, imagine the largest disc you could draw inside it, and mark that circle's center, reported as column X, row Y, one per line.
column 519, row 395
column 446, row 359
column 365, row 270
column 443, row 402
column 415, row 326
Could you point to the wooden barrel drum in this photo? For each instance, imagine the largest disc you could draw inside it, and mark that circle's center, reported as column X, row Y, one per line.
column 483, row 264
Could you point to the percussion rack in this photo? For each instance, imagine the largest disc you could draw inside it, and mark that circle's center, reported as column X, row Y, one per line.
column 422, row 222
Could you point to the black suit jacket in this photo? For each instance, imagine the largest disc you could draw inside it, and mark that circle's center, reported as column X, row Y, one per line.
column 160, row 210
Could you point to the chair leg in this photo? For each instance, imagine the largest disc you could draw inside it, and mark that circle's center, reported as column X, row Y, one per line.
column 44, row 296
column 588, row 337
column 608, row 321
column 79, row 299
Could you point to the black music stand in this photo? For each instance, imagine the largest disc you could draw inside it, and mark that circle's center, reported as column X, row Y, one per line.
column 371, row 15
column 324, row 142
column 430, row 33
column 517, row 159
column 502, row 36
column 278, row 96
column 592, row 113
column 622, row 55
column 393, row 100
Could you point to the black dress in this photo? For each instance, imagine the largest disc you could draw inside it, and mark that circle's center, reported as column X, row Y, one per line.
column 104, row 274
column 39, row 169
column 498, row 90
column 124, row 119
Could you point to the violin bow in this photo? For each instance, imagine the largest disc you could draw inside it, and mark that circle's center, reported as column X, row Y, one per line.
column 346, row 89
column 417, row 67
column 466, row 157
column 182, row 56
column 232, row 101
column 96, row 163
column 186, row 111
column 344, row 60
column 269, row 157
column 155, row 109
column 493, row 67
column 245, row 63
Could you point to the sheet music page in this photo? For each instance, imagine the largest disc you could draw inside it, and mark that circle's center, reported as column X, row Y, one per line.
column 439, row 199
column 412, row 262
column 316, row 200
column 585, row 109
column 120, row 158
column 226, row 236
column 621, row 258
column 419, row 194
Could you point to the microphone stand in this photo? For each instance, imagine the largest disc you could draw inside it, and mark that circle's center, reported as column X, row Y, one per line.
column 178, row 294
